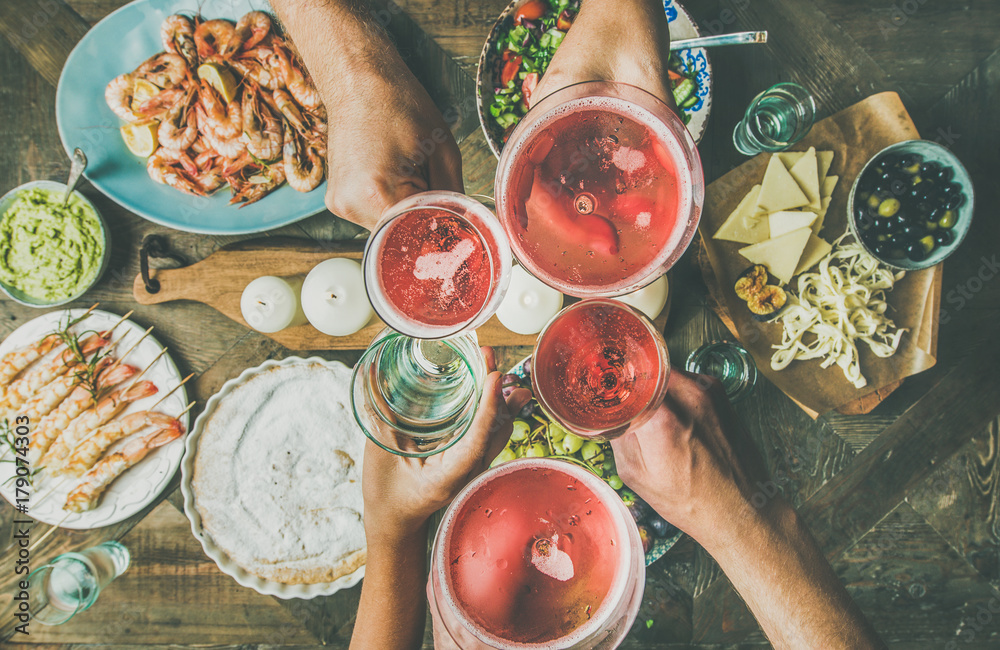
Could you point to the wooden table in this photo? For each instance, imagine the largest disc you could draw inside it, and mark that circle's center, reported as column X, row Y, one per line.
column 905, row 501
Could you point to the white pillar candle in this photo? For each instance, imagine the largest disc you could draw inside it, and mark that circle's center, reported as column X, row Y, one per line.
column 334, row 297
column 529, row 303
column 271, row 304
column 651, row 299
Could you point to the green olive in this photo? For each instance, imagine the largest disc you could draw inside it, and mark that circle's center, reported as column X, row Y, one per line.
column 882, row 237
column 947, row 219
column 930, row 226
column 873, row 201
column 916, row 180
column 928, row 244
column 888, row 208
column 912, row 169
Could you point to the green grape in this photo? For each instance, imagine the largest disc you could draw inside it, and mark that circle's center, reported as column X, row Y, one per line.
column 505, row 456
column 557, row 447
column 538, row 450
column 520, row 431
column 556, row 431
column 615, row 482
column 609, row 463
column 592, row 452
column 598, row 470
column 572, row 443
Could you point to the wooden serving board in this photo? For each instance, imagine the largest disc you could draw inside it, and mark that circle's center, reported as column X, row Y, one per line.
column 219, row 279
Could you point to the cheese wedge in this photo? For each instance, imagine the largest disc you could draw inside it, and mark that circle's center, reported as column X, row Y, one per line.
column 780, row 223
column 806, row 174
column 830, row 184
column 742, row 225
column 821, row 216
column 779, row 191
column 825, row 159
column 815, row 250
column 780, row 254
column 789, row 158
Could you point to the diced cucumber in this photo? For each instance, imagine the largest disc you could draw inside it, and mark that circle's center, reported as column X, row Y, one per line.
column 684, row 90
column 691, row 101
column 506, row 119
column 522, row 75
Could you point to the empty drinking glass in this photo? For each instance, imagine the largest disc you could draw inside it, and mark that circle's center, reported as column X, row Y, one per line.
column 72, row 582
column 730, row 363
column 776, row 119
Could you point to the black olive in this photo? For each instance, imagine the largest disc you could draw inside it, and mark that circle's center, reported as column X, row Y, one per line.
column 946, row 174
column 890, row 160
column 896, row 253
column 910, row 159
column 880, row 249
column 912, row 232
column 954, row 202
column 930, row 168
column 915, row 252
column 937, row 213
column 883, row 189
column 922, row 208
column 944, row 237
column 886, row 177
column 916, row 193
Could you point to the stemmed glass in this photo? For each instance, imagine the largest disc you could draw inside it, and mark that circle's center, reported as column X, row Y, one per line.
column 600, row 366
column 437, row 265
column 417, row 397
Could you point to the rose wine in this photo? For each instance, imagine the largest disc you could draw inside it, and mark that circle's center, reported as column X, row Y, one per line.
column 598, row 366
column 599, row 196
column 437, row 266
column 536, row 552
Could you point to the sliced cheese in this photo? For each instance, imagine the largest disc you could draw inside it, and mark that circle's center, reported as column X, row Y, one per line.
column 806, row 174
column 779, row 191
column 741, row 226
column 780, row 223
column 816, row 249
column 779, row 254
column 789, row 158
column 830, row 184
column 821, row 216
column 825, row 159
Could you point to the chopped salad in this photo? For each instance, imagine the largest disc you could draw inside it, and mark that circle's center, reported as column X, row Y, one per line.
column 527, row 47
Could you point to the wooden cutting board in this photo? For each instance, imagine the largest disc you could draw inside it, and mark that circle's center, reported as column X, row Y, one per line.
column 219, row 279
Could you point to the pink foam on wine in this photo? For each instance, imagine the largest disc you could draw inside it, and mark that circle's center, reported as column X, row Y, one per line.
column 443, row 266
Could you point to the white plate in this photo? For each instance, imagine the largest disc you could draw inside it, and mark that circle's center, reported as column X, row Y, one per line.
column 141, row 484
column 226, row 565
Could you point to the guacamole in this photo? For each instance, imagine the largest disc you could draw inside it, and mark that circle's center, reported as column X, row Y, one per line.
column 49, row 251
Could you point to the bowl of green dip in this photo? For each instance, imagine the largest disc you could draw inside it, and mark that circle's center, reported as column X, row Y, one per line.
column 50, row 254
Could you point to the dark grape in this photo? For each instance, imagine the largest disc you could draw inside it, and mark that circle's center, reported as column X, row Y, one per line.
column 660, row 526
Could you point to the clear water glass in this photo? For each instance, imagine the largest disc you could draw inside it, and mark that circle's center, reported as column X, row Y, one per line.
column 71, row 582
column 730, row 363
column 417, row 397
column 775, row 120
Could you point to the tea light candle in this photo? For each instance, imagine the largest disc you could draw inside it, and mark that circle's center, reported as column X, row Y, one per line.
column 334, row 297
column 651, row 299
column 271, row 304
column 529, row 303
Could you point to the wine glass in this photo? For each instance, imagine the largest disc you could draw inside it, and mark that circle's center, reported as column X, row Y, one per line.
column 437, row 264
column 600, row 366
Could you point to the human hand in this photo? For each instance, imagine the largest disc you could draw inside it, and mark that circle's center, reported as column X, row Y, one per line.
column 693, row 461
column 614, row 40
column 402, row 493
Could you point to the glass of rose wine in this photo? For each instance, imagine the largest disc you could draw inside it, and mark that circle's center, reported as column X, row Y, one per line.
column 600, row 366
column 536, row 552
column 438, row 264
column 417, row 397
column 600, row 189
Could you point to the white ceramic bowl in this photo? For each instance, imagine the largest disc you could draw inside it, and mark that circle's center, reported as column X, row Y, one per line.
column 226, row 565
column 19, row 296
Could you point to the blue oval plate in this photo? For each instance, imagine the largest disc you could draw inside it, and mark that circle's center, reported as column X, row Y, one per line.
column 118, row 44
column 660, row 544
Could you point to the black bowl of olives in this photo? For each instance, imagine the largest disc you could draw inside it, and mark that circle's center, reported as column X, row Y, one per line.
column 911, row 205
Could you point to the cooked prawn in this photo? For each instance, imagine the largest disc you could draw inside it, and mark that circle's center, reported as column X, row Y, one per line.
column 17, row 360
column 251, row 28
column 86, row 495
column 177, row 35
column 227, row 147
column 161, row 102
column 97, row 442
column 118, row 95
column 52, row 425
column 252, row 187
column 296, row 81
column 212, row 37
column 23, row 389
column 165, row 70
column 179, row 128
column 161, row 168
column 219, row 117
column 52, row 395
column 258, row 72
column 303, row 166
column 261, row 129
column 77, row 430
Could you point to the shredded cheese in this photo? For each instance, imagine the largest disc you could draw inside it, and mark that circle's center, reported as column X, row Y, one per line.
column 841, row 303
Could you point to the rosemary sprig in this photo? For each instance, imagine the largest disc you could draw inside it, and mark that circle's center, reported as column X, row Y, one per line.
column 87, row 369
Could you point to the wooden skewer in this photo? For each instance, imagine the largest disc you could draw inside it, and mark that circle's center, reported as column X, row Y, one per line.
column 183, row 381
column 49, row 532
column 148, row 366
column 120, row 359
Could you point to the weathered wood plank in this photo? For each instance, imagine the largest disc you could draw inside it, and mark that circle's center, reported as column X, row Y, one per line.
column 44, row 33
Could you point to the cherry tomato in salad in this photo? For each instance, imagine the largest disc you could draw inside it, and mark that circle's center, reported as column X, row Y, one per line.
column 531, row 10
column 528, row 87
column 565, row 20
column 510, row 70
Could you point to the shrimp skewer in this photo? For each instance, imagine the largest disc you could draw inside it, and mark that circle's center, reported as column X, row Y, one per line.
column 107, row 408
column 86, row 495
column 24, row 388
column 90, row 450
column 81, row 399
column 55, row 392
column 14, row 362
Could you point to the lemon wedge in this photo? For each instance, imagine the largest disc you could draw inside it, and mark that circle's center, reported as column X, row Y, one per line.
column 142, row 92
column 140, row 137
column 219, row 77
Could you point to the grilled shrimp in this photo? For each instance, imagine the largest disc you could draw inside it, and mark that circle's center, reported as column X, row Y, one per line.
column 53, row 394
column 16, row 361
column 97, row 442
column 27, row 386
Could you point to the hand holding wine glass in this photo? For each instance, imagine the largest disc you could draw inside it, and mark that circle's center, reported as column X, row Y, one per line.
column 605, row 45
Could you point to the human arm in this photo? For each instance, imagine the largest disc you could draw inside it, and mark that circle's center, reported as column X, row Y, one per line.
column 386, row 138
column 695, row 465
column 614, row 40
column 401, row 494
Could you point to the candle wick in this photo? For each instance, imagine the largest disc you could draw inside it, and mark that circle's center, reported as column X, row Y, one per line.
column 261, row 303
column 333, row 296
